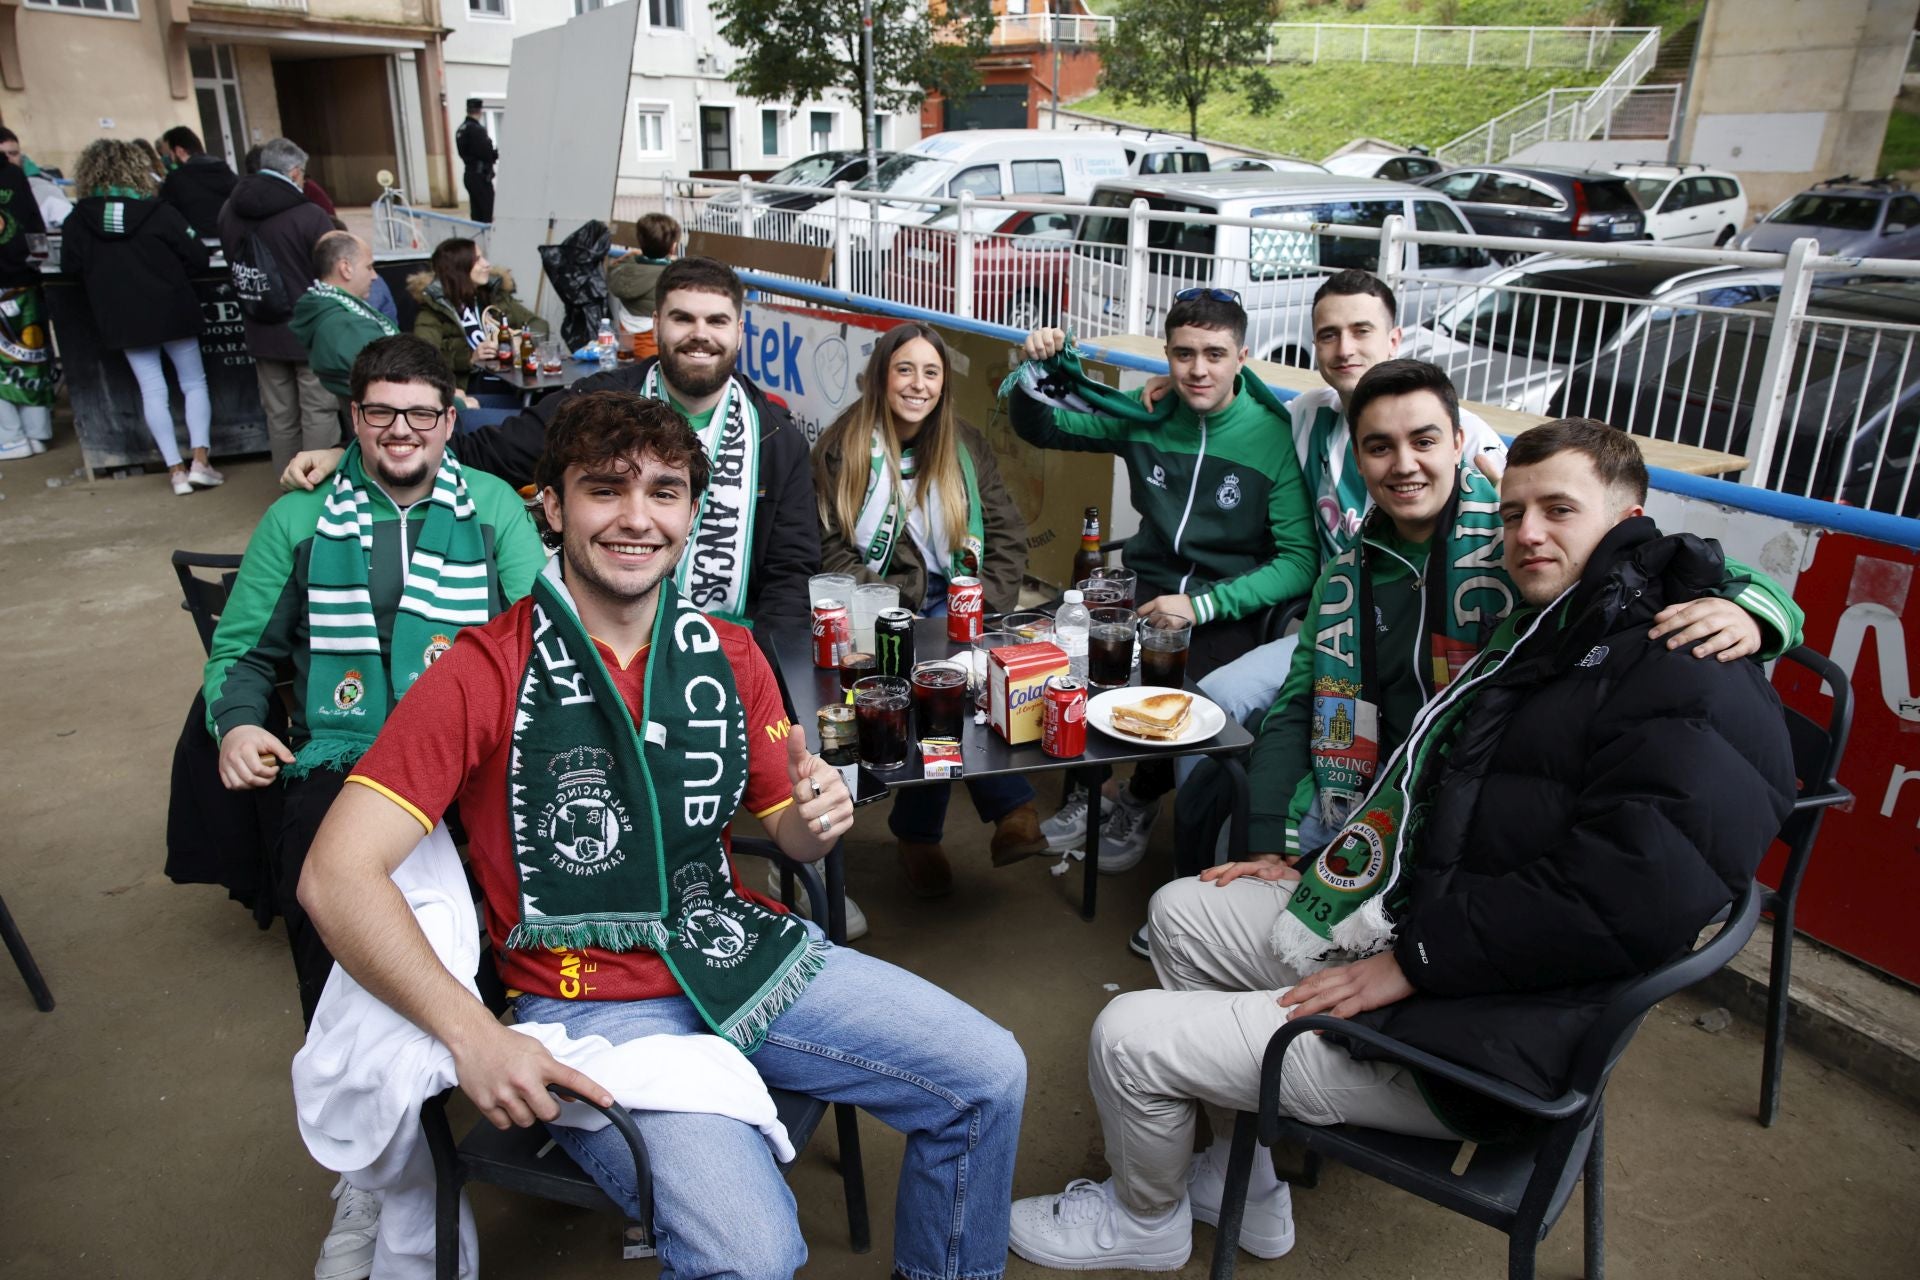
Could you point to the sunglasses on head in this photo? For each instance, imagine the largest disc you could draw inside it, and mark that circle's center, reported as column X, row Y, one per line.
column 1218, row 295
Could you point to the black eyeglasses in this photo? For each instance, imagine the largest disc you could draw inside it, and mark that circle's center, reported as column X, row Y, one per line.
column 420, row 418
column 1218, row 295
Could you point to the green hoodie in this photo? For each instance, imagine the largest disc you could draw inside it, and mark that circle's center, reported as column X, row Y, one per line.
column 334, row 326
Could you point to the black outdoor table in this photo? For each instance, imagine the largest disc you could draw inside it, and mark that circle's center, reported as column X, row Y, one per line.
column 531, row 387
column 984, row 753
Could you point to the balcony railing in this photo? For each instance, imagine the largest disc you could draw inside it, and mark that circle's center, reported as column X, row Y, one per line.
column 1049, row 28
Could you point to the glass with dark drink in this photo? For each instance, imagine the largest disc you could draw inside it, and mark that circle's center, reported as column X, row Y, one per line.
column 880, row 717
column 940, row 699
column 1110, row 647
column 857, row 666
column 1125, row 579
column 1164, row 640
column 1099, row 593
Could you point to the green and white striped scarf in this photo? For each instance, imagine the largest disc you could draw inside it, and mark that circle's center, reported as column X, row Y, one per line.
column 713, row 572
column 350, row 687
column 340, row 297
column 883, row 515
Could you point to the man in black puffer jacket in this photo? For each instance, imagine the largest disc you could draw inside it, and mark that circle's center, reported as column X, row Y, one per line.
column 1579, row 803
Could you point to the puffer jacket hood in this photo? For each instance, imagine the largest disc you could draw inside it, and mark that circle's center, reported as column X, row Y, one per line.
column 426, row 290
column 259, row 196
column 115, row 217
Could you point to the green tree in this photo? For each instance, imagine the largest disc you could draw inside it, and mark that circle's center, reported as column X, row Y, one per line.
column 792, row 50
column 1180, row 52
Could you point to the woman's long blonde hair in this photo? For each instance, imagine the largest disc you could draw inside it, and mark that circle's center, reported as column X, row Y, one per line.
column 110, row 162
column 936, row 448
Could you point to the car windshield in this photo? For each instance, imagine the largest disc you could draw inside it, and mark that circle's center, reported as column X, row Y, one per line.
column 811, row 172
column 908, row 175
column 1842, row 213
column 1648, row 190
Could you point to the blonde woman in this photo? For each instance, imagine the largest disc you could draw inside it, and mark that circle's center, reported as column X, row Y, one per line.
column 135, row 255
column 911, row 495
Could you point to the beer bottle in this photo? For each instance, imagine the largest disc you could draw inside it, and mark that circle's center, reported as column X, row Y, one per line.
column 529, row 351
column 1089, row 557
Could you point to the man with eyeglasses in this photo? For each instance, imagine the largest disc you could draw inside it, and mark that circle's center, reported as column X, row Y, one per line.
column 358, row 587
column 1226, row 519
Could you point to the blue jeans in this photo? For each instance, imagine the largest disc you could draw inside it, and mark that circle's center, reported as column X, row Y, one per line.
column 920, row 813
column 863, row 1032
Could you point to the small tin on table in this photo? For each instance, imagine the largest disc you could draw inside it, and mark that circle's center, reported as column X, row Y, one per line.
column 832, row 634
column 893, row 642
column 966, row 609
column 1063, row 723
column 838, row 734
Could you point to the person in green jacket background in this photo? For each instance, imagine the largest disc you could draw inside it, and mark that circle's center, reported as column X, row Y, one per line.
column 333, row 319
column 454, row 295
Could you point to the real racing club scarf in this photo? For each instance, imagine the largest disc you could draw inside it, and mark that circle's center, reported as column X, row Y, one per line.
column 349, row 684
column 1061, row 382
column 617, row 827
column 881, row 515
column 1463, row 591
column 713, row 572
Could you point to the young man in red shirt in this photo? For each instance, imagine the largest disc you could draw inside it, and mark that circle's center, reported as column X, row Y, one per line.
column 598, row 737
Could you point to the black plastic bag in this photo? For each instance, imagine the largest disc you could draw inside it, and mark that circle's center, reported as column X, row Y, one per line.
column 576, row 269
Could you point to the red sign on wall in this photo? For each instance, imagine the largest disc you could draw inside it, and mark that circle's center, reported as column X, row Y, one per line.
column 1863, row 882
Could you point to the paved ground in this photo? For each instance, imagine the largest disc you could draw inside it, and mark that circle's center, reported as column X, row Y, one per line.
column 145, row 1126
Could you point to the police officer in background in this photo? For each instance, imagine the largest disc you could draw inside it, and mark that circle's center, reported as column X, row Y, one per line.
column 478, row 153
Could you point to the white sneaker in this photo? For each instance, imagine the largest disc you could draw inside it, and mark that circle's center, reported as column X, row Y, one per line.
column 38, row 446
column 204, row 477
column 347, row 1252
column 1085, row 1228
column 1266, row 1228
column 1125, row 827
column 14, row 452
column 181, row 485
column 1067, row 829
column 803, row 903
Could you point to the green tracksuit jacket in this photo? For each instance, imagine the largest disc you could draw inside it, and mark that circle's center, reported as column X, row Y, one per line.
column 1225, row 516
column 264, row 628
column 334, row 326
column 1281, row 770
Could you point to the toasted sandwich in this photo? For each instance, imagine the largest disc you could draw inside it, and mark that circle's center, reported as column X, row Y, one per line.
column 1163, row 716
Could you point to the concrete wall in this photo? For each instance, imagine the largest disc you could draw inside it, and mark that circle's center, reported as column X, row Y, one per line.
column 81, row 68
column 1788, row 92
column 1584, row 155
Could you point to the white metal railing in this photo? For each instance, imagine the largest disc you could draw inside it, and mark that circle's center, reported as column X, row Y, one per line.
column 1558, row 114
column 296, row 6
column 1564, row 47
column 1744, row 355
column 1049, row 28
column 401, row 229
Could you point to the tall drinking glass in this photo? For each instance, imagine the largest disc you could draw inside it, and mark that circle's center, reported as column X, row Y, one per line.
column 1164, row 641
column 1110, row 646
column 983, row 644
column 869, row 598
column 830, row 586
column 880, row 706
column 1127, row 580
column 1030, row 627
column 1099, row 593
column 940, row 699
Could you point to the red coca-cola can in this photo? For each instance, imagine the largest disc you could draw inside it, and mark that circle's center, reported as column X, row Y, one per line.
column 1063, row 717
column 966, row 604
column 832, row 634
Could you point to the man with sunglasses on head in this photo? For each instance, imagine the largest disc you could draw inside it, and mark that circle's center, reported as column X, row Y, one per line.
column 1226, row 520
column 357, row 586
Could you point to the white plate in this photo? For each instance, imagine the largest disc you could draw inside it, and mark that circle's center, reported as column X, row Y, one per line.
column 1204, row 719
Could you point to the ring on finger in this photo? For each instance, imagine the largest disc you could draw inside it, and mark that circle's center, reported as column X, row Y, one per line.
column 826, row 823
column 816, row 787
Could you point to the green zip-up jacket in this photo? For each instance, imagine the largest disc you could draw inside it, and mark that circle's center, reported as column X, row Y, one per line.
column 1280, row 774
column 264, row 627
column 334, row 326
column 1225, row 515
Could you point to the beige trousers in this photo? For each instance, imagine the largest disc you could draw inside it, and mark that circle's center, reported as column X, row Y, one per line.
column 1155, row 1056
column 301, row 414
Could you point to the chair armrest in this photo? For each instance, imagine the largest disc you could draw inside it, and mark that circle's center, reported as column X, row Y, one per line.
column 622, row 1119
column 1567, row 1104
column 825, row 880
column 1274, row 620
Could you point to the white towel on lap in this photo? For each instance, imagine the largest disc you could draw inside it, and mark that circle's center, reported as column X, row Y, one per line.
column 359, row 1080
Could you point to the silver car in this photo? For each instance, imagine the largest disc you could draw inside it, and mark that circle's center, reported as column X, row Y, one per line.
column 1867, row 219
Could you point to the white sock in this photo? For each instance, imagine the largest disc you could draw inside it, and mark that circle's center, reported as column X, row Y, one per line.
column 1263, row 1181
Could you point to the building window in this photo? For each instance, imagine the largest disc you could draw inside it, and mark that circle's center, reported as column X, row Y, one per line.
column 880, row 132
column 489, row 9
column 494, row 118
column 105, row 8
column 773, row 132
column 666, row 13
column 654, row 129
column 819, row 130
column 586, row 6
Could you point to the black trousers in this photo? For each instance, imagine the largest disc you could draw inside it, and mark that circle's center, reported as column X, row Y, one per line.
column 480, row 196
column 307, row 802
column 1213, row 646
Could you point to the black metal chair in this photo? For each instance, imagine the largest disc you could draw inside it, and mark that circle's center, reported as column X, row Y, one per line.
column 205, row 599
column 528, row 1162
column 1517, row 1187
column 1817, row 750
column 23, row 958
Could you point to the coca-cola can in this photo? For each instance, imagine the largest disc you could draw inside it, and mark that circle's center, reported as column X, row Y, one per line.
column 832, row 634
column 1063, row 717
column 966, row 607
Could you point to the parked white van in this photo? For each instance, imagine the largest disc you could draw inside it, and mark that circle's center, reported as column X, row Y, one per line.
column 1275, row 270
column 993, row 164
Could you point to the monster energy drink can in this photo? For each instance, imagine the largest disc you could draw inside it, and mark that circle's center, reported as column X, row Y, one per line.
column 893, row 642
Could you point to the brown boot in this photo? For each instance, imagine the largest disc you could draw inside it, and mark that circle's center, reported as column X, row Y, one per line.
column 925, row 865
column 1017, row 836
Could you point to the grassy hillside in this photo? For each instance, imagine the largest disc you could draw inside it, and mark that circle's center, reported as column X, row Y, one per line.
column 1326, row 106
column 1667, row 14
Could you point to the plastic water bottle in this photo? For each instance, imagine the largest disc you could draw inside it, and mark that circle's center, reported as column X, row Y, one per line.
column 1071, row 623
column 604, row 345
